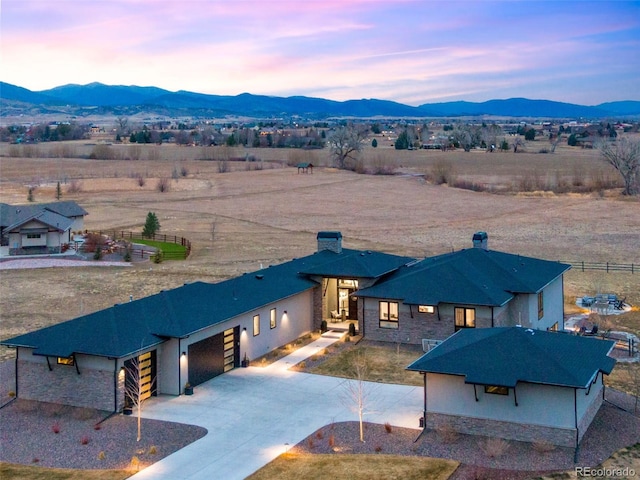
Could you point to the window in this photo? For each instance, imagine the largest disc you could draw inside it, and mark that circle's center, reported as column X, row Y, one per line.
column 554, row 327
column 66, row 361
column 494, row 389
column 540, row 305
column 272, row 321
column 256, row 325
column 426, row 309
column 465, row 318
column 33, row 235
column 388, row 314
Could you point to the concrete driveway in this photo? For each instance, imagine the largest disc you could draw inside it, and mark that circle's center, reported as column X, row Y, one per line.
column 254, row 414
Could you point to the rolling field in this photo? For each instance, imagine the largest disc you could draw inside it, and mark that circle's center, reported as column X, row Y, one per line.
column 253, row 216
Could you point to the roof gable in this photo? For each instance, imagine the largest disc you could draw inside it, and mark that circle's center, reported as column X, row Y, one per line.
column 504, row 356
column 354, row 264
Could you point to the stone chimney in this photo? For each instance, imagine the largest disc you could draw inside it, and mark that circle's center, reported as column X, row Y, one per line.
column 480, row 240
column 331, row 241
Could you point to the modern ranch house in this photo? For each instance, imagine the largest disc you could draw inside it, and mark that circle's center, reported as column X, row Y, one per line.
column 195, row 332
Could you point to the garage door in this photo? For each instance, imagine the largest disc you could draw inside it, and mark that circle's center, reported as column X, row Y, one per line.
column 213, row 356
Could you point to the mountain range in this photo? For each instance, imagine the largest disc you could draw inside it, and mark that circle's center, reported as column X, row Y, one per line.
column 97, row 98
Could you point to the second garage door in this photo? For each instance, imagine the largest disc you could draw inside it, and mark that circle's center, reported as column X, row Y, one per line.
column 213, row 356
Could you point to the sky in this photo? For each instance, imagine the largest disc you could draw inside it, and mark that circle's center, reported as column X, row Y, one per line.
column 408, row 51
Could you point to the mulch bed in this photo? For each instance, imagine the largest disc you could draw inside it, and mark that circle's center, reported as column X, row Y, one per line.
column 27, row 436
column 612, row 429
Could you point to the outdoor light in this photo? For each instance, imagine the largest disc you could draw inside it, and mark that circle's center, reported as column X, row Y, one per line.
column 285, row 312
column 184, row 354
column 244, row 329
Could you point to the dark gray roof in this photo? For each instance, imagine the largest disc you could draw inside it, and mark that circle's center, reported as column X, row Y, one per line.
column 355, row 264
column 12, row 216
column 504, row 356
column 124, row 329
column 473, row 277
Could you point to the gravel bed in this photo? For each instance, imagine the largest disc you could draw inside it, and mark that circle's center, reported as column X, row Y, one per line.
column 27, row 437
column 25, row 263
column 611, row 430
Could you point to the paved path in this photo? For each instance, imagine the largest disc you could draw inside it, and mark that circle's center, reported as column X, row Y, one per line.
column 254, row 414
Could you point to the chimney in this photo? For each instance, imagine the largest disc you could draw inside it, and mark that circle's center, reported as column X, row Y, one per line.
column 331, row 241
column 480, row 240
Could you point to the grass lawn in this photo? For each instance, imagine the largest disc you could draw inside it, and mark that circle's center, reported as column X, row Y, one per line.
column 27, row 472
column 384, row 364
column 171, row 251
column 291, row 466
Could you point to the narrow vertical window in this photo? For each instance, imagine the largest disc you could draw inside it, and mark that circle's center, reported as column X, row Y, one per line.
column 540, row 305
column 272, row 320
column 256, row 325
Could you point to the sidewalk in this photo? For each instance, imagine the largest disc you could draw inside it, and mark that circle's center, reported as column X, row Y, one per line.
column 255, row 414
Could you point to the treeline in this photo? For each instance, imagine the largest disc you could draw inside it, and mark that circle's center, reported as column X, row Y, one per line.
column 44, row 133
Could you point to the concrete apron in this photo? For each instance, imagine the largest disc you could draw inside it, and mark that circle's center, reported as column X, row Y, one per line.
column 255, row 414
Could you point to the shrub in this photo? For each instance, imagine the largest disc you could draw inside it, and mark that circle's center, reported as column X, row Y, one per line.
column 140, row 180
column 319, row 435
column 75, row 186
column 158, row 256
column 331, row 441
column 153, row 450
column 184, row 171
column 323, row 326
column 543, row 447
column 97, row 255
column 12, row 394
column 443, row 171
column 378, row 448
column 494, row 447
column 310, row 443
column 101, row 456
column 35, row 460
column 302, row 364
column 163, row 185
column 223, row 166
column 84, row 440
column 387, row 427
column 55, row 428
column 135, row 463
column 97, row 426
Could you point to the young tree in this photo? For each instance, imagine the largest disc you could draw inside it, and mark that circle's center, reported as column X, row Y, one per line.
column 138, row 385
column 345, row 143
column 374, row 143
column 151, row 225
column 357, row 391
column 624, row 156
column 58, row 191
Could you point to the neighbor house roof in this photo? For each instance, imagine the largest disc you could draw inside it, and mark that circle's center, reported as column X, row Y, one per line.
column 473, row 276
column 123, row 329
column 12, row 216
column 504, row 356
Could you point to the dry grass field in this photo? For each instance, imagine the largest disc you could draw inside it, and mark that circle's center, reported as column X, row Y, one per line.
column 264, row 212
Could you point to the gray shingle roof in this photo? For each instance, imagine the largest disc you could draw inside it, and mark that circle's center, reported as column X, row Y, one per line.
column 355, row 264
column 474, row 277
column 123, row 329
column 12, row 216
column 504, row 356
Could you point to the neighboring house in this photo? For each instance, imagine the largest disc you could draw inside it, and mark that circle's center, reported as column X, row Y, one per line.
column 515, row 383
column 195, row 332
column 38, row 228
column 472, row 288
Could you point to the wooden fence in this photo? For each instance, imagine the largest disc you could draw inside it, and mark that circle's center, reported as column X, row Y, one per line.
column 604, row 266
column 126, row 235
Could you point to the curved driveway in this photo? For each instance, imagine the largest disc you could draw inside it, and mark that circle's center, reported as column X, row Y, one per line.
column 254, row 414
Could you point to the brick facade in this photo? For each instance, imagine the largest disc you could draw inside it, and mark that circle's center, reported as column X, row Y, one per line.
column 90, row 389
column 590, row 414
column 564, row 437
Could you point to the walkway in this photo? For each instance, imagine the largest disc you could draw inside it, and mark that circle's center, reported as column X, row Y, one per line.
column 255, row 414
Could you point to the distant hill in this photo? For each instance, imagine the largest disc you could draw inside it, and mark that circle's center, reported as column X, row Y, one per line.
column 121, row 99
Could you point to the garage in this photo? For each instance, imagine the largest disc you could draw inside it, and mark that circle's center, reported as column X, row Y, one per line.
column 214, row 356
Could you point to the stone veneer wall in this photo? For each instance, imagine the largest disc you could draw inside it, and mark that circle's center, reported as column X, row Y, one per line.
column 590, row 414
column 318, row 307
column 90, row 389
column 565, row 437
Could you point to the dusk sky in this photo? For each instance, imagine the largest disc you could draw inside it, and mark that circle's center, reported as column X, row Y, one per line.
column 409, row 51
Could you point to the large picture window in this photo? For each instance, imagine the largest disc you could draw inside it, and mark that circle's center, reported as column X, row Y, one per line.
column 465, row 318
column 388, row 314
column 272, row 320
column 256, row 325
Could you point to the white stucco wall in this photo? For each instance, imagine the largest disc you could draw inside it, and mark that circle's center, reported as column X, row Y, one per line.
column 537, row 404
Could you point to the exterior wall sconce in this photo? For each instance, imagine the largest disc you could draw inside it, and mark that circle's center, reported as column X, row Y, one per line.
column 184, row 354
column 244, row 329
column 285, row 312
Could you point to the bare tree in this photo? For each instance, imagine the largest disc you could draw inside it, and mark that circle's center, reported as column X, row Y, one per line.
column 345, row 143
column 357, row 393
column 555, row 141
column 123, row 124
column 517, row 143
column 624, row 156
column 138, row 385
